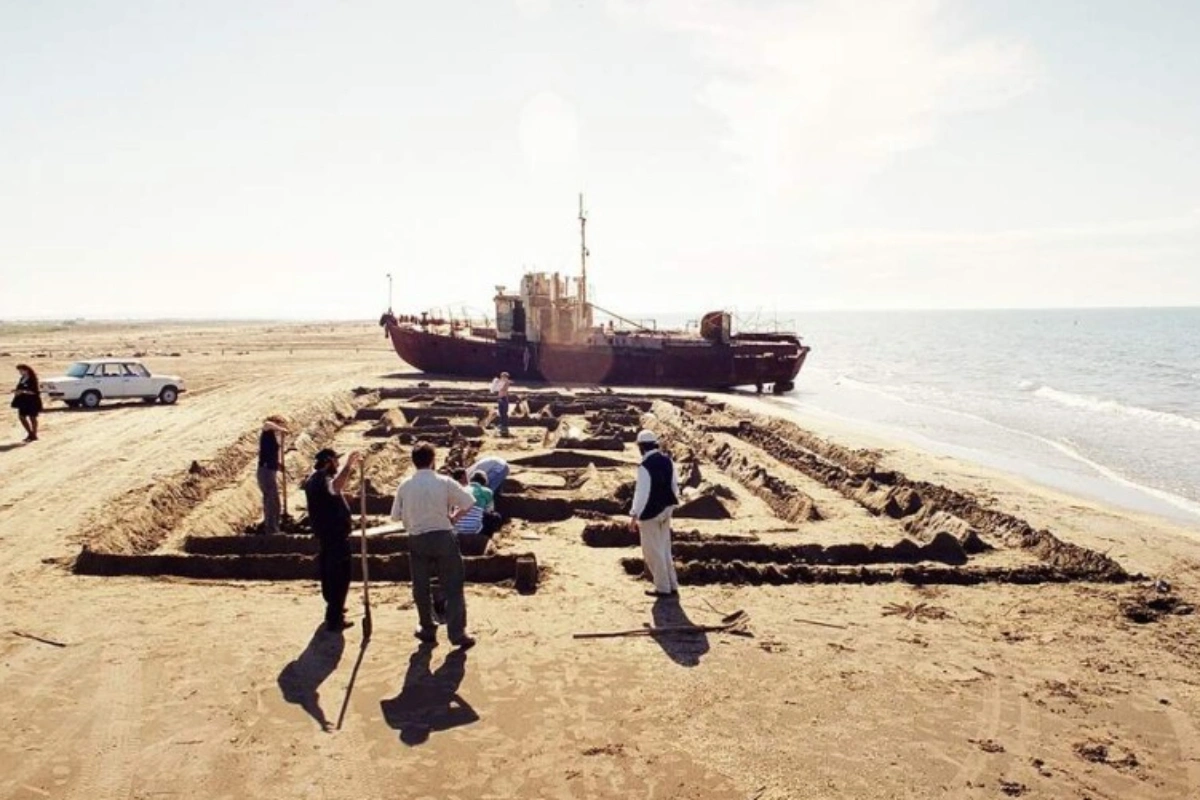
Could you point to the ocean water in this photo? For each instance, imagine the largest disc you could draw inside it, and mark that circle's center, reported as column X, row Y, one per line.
column 1102, row 403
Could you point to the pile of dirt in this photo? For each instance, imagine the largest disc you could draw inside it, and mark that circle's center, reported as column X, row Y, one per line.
column 739, row 573
column 1151, row 605
column 704, row 506
column 282, row 567
column 618, row 534
column 141, row 519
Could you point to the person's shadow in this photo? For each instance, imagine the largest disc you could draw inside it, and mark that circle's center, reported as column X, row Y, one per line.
column 684, row 649
column 300, row 679
column 429, row 701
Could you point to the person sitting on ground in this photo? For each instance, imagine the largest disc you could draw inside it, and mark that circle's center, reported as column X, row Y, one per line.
column 469, row 521
column 487, row 499
column 495, row 468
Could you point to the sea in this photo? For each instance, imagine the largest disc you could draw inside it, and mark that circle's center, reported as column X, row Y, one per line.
column 1101, row 403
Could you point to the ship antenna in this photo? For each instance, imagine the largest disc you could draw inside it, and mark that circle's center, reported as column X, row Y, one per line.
column 583, row 254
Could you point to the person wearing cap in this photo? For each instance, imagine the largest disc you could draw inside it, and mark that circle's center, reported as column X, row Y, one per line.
column 425, row 502
column 270, row 464
column 654, row 498
column 329, row 512
column 500, row 387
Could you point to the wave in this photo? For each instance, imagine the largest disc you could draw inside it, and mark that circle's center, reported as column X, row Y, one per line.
column 1112, row 406
column 1175, row 500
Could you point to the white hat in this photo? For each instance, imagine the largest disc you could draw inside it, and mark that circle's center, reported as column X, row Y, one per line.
column 646, row 437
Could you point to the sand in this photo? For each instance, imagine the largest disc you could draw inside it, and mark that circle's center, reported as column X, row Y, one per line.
column 146, row 687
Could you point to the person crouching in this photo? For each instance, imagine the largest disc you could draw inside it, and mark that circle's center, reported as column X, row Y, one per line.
column 654, row 498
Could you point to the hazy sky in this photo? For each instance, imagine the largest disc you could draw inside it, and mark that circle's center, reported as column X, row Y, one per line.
column 266, row 159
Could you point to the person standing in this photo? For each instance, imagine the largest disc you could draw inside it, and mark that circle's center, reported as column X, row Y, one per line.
column 654, row 498
column 27, row 400
column 332, row 521
column 270, row 464
column 500, row 387
column 424, row 502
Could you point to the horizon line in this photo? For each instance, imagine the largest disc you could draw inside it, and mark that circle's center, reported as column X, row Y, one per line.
column 65, row 320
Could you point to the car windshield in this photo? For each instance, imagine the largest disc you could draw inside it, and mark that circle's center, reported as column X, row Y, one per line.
column 77, row 370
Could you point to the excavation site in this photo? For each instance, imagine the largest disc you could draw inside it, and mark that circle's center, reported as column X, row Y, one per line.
column 764, row 501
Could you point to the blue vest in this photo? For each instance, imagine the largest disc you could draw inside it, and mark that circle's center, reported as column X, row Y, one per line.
column 662, row 497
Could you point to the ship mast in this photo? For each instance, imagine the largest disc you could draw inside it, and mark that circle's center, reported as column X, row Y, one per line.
column 583, row 254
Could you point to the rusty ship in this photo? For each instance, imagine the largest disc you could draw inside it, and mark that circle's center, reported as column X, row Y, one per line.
column 546, row 332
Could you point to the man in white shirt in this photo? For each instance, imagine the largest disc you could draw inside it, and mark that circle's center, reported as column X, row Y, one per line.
column 500, row 387
column 424, row 502
column 654, row 498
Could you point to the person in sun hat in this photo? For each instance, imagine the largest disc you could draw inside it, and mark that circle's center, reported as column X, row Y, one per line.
column 329, row 512
column 655, row 496
column 270, row 464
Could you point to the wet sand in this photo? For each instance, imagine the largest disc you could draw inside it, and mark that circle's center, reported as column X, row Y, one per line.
column 874, row 689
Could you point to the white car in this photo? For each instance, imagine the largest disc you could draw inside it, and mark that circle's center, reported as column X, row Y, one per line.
column 86, row 383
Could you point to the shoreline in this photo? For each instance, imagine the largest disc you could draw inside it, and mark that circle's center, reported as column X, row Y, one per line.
column 219, row 687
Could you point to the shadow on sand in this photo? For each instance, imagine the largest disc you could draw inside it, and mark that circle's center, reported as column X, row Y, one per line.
column 302, row 677
column 684, row 649
column 429, row 701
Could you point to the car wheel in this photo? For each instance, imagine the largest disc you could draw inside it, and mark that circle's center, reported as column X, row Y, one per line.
column 90, row 399
column 168, row 395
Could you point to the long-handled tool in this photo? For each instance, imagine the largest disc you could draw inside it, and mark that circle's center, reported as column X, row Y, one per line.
column 362, row 516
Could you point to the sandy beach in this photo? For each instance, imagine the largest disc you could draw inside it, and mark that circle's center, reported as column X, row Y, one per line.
column 159, row 686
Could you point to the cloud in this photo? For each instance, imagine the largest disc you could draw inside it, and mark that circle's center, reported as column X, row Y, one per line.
column 827, row 92
column 533, row 9
column 1132, row 262
column 549, row 133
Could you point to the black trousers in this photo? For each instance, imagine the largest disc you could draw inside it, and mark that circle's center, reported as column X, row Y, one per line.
column 333, row 563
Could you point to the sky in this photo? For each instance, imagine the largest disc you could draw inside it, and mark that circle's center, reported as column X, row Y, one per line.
column 281, row 159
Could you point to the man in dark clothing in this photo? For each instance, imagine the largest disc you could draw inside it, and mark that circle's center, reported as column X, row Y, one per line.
column 270, row 464
column 654, row 498
column 331, row 523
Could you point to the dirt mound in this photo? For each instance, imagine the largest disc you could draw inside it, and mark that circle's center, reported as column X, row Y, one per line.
column 1151, row 605
column 706, row 506
column 482, row 569
column 567, row 459
column 737, row 572
column 617, row 534
column 140, row 520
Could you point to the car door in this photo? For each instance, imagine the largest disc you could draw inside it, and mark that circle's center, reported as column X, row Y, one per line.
column 114, row 381
column 137, row 380
column 94, row 379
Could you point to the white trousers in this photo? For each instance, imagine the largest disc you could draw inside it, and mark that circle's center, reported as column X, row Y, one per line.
column 656, row 549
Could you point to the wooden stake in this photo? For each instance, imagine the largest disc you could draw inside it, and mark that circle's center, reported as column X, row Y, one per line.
column 362, row 516
column 283, row 471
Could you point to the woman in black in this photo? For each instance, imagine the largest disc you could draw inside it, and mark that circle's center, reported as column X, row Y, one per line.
column 27, row 400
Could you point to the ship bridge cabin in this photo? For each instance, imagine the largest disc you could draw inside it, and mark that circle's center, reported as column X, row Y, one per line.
column 544, row 310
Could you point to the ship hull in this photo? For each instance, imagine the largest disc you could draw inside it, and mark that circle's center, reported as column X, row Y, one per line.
column 695, row 364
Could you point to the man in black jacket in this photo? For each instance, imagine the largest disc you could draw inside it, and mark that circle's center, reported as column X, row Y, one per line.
column 329, row 513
